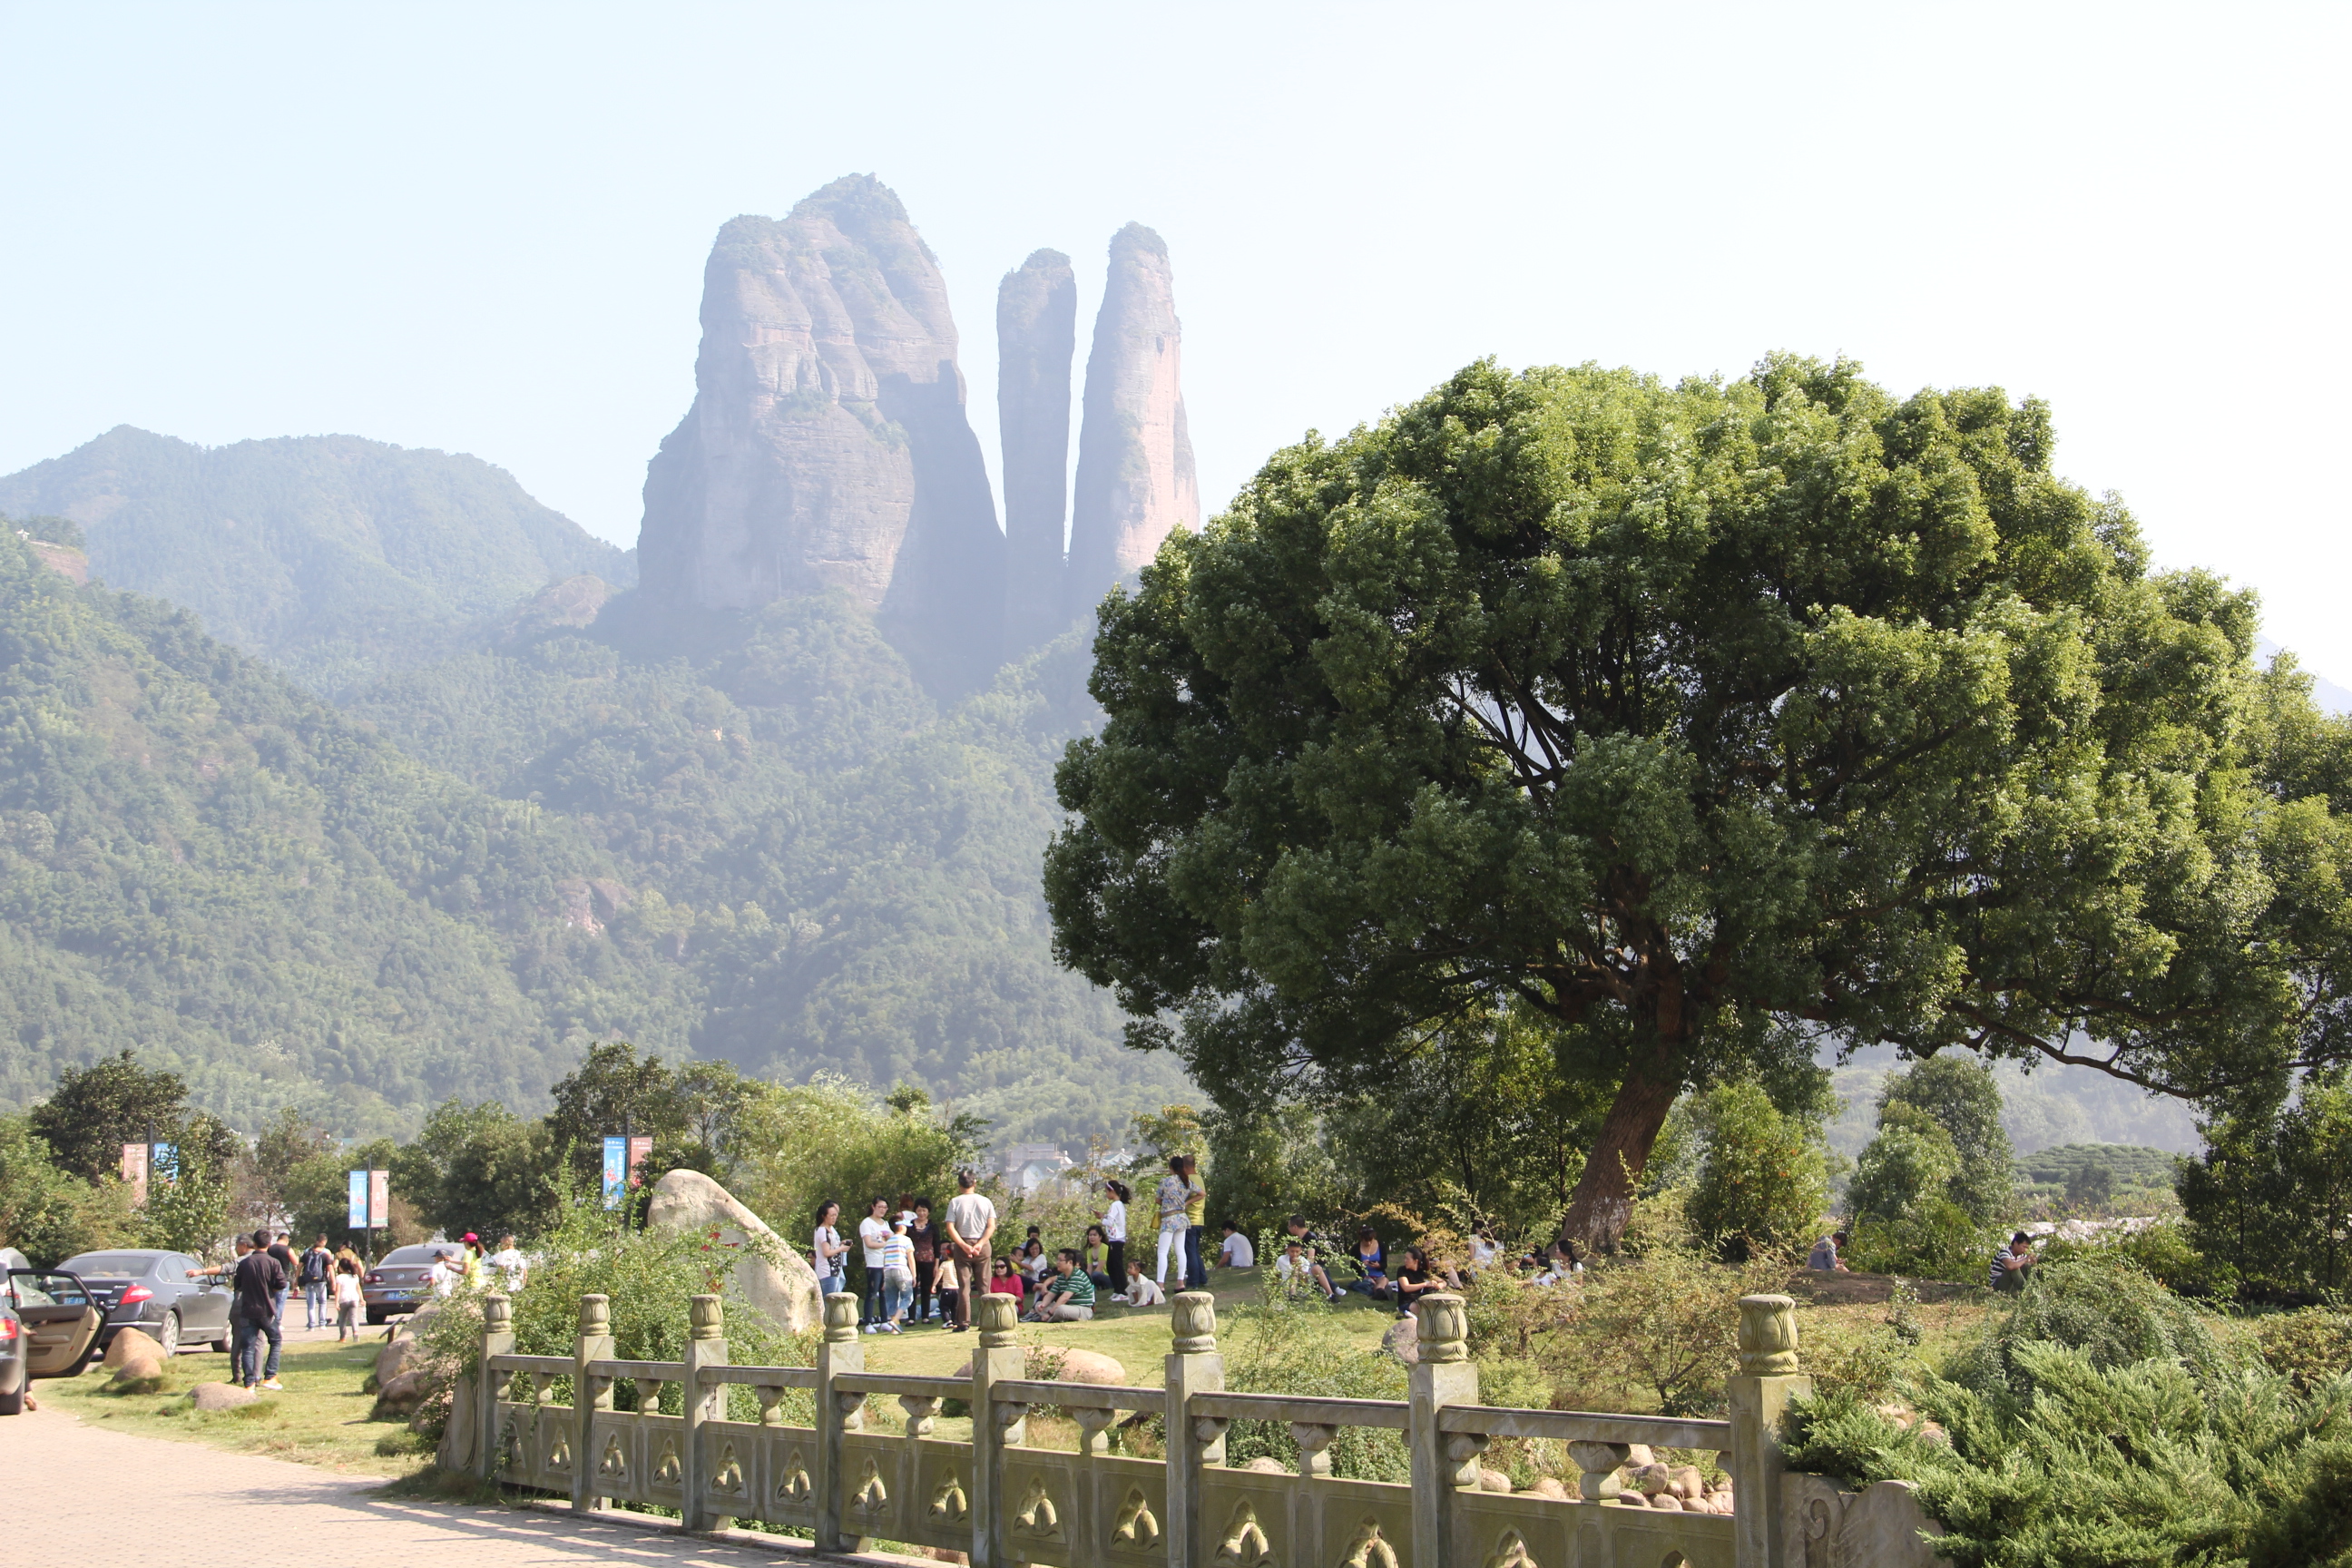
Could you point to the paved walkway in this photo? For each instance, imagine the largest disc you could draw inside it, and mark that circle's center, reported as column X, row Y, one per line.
column 79, row 1493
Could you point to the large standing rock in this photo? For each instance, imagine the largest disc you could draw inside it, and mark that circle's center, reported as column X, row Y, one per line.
column 1136, row 481
column 827, row 446
column 132, row 1345
column 783, row 1291
column 1036, row 336
column 394, row 1359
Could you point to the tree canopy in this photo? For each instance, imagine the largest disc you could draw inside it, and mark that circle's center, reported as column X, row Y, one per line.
column 1708, row 720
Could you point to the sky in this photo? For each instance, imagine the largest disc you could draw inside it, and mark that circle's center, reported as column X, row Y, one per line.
column 482, row 228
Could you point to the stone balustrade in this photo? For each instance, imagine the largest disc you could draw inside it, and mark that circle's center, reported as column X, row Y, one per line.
column 1002, row 1499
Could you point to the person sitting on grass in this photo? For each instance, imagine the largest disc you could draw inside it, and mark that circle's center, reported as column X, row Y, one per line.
column 1034, row 1263
column 1295, row 1229
column 1372, row 1260
column 1098, row 1263
column 1006, row 1280
column 1068, row 1296
column 1419, row 1277
column 1142, row 1290
column 1824, row 1256
column 1236, row 1251
column 2013, row 1264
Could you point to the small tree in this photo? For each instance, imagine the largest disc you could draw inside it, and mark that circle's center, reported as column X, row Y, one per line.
column 1763, row 1177
column 95, row 1111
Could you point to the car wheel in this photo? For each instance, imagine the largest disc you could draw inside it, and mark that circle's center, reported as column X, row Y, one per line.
column 168, row 1336
column 12, row 1403
column 376, row 1315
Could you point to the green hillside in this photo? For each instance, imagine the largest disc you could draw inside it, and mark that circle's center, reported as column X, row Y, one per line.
column 774, row 848
column 333, row 557
column 849, row 873
column 198, row 860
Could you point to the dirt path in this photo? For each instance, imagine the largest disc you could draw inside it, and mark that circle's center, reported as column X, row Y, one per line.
column 79, row 1493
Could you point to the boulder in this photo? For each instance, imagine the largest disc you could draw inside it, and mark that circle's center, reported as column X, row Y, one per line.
column 220, row 1395
column 1402, row 1340
column 1547, row 1485
column 402, row 1395
column 1638, row 1456
column 394, row 1359
column 132, row 1345
column 780, row 1286
column 1651, row 1480
column 1668, row 1501
column 1685, row 1482
column 1493, row 1481
column 1074, row 1366
column 1267, row 1464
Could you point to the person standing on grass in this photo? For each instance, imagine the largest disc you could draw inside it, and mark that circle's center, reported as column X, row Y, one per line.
column 949, row 1283
column 873, row 1234
column 351, row 1297
column 925, row 1237
column 1114, row 1229
column 1172, row 1197
column 971, row 1227
column 1196, row 1224
column 318, row 1266
column 897, row 1277
column 260, row 1285
column 828, row 1251
column 282, row 1249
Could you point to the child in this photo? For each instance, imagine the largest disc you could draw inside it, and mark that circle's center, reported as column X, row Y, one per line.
column 349, row 1301
column 897, row 1277
column 945, row 1281
column 1142, row 1290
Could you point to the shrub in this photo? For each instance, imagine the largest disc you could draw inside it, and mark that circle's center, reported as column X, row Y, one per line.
column 2111, row 1312
column 1763, row 1179
column 1934, row 1240
column 1300, row 1351
column 2309, row 1347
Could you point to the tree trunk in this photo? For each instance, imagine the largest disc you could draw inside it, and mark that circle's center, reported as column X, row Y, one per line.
column 1603, row 1199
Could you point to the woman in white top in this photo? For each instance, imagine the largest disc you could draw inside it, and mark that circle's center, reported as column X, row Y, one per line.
column 828, row 1251
column 1114, row 1229
column 1175, row 1195
column 872, row 1232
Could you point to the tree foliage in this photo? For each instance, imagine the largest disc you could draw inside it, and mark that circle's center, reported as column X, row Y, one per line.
column 2269, row 1202
column 1691, row 715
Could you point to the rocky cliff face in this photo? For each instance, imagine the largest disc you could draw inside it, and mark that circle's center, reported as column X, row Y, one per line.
column 827, row 446
column 1135, row 476
column 1037, row 337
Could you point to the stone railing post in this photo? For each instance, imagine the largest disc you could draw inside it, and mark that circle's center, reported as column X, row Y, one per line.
column 1194, row 1366
column 995, row 1427
column 706, row 1346
column 589, row 1395
column 489, row 1386
column 1444, row 1376
column 837, row 1413
column 1767, row 1380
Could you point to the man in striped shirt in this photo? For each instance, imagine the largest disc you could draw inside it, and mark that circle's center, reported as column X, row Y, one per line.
column 1069, row 1297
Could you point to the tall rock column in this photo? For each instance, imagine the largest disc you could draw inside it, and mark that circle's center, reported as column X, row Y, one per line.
column 1136, row 481
column 1036, row 338
column 827, row 446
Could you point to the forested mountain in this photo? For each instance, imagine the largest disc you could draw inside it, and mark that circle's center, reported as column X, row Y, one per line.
column 771, row 848
column 331, row 557
column 199, row 860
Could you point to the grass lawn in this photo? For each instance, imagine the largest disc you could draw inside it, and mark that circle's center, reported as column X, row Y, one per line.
column 321, row 1418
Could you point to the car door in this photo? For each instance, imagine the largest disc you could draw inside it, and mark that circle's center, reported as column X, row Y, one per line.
column 203, row 1305
column 61, row 1321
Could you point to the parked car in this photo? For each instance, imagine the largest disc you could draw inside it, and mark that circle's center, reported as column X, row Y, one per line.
column 398, row 1283
column 158, row 1292
column 48, row 1328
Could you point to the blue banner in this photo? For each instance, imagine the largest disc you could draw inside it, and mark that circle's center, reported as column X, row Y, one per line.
column 357, row 1217
column 616, row 1171
column 165, row 1161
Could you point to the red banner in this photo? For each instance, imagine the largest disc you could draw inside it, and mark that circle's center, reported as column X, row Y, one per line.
column 640, row 1150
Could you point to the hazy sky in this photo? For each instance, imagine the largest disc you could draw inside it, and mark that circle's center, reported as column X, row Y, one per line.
column 483, row 227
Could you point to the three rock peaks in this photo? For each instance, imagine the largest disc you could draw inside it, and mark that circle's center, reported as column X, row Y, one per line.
column 827, row 446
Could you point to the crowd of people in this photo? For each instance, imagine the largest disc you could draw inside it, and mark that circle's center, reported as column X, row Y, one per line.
column 919, row 1267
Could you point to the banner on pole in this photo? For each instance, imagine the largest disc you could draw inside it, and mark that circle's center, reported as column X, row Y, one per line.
column 617, row 1168
column 356, row 1217
column 134, row 1171
column 379, row 1199
column 641, row 1149
column 164, row 1162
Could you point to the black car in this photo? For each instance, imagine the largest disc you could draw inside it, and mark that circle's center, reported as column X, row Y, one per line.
column 158, row 1292
column 48, row 1328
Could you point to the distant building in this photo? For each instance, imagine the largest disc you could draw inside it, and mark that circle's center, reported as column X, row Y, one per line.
column 1028, row 1166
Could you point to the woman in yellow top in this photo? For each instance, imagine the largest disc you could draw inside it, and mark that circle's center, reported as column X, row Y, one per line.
column 1196, row 1221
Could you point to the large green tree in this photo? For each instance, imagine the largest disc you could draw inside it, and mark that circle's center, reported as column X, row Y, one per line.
column 1708, row 720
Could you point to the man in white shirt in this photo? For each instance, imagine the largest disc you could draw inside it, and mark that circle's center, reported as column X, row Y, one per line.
column 873, row 1234
column 514, row 1268
column 971, row 1226
column 1237, row 1252
column 445, row 1274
